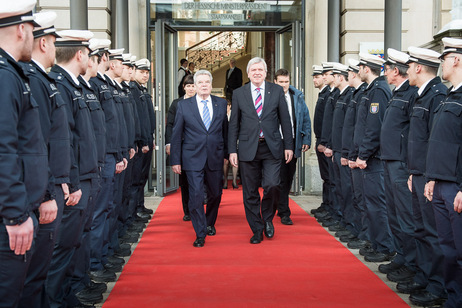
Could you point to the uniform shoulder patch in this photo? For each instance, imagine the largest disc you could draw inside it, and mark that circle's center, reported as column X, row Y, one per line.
column 374, row 108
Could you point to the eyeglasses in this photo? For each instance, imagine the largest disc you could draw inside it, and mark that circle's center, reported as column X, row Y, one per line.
column 444, row 59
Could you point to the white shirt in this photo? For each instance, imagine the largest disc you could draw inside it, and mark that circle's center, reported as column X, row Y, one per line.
column 181, row 73
column 200, row 106
column 397, row 88
column 254, row 93
column 40, row 65
column 422, row 87
column 457, row 87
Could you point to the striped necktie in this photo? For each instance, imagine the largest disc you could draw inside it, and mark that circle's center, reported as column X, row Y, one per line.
column 259, row 107
column 206, row 115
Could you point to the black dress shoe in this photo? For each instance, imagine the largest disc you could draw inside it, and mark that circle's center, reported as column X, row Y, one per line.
column 137, row 229
column 199, row 242
column 285, row 220
column 324, row 218
column 126, row 239
column 269, row 229
column 357, row 244
column 145, row 210
column 122, row 253
column 115, row 260
column 113, row 267
column 402, row 274
column 379, row 257
column 389, row 267
column 321, row 214
column 409, row 287
column 100, row 287
column 103, row 276
column 347, row 238
column 88, row 296
column 186, row 218
column 211, row 230
column 366, row 250
column 330, row 222
column 337, row 227
column 342, row 233
column 124, row 247
column 256, row 238
column 426, row 299
column 143, row 215
column 82, row 305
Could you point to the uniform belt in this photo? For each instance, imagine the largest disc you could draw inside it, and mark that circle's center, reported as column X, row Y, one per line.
column 260, row 140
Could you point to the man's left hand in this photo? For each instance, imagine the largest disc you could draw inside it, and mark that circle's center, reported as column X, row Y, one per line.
column 288, row 154
column 176, row 169
column 362, row 164
column 458, row 202
column 344, row 161
column 305, row 147
column 48, row 211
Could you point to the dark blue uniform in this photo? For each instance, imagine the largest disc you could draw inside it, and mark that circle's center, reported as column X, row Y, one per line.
column 359, row 214
column 100, row 228
column 429, row 257
column 393, row 148
column 326, row 140
column 55, row 131
column 83, row 170
column 23, row 171
column 444, row 165
column 141, row 160
column 342, row 174
column 115, row 210
column 370, row 115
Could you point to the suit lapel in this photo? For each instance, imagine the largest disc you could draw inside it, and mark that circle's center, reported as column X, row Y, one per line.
column 195, row 111
column 248, row 97
column 266, row 99
column 215, row 110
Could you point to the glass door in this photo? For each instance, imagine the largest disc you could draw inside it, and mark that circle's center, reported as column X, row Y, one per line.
column 289, row 55
column 165, row 56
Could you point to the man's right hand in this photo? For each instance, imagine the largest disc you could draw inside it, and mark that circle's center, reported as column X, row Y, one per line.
column 74, row 198
column 21, row 236
column 321, row 148
column 233, row 159
column 176, row 169
column 145, row 149
column 120, row 167
column 167, row 149
column 352, row 164
column 328, row 152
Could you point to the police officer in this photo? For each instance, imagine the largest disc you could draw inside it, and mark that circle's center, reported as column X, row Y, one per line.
column 301, row 126
column 428, row 284
column 24, row 162
column 55, row 131
column 115, row 71
column 82, row 287
column 99, row 235
column 324, row 91
column 342, row 172
column 326, row 143
column 367, row 142
column 444, row 172
column 393, row 150
column 349, row 159
column 72, row 60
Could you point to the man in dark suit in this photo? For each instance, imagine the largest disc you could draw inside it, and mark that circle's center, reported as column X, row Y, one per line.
column 233, row 79
column 198, row 146
column 258, row 109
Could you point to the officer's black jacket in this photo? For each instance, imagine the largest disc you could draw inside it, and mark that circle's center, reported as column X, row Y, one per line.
column 97, row 118
column 349, row 123
column 421, row 123
column 54, row 124
column 23, row 153
column 319, row 112
column 126, row 86
column 83, row 156
column 339, row 116
column 122, row 129
column 110, row 113
column 143, row 114
column 444, row 156
column 326, row 135
column 128, row 116
column 395, row 126
column 377, row 95
column 152, row 115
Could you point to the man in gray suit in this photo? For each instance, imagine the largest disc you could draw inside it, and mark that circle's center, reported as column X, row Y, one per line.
column 258, row 109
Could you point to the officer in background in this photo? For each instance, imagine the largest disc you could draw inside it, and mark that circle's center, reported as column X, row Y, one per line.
column 24, row 161
column 324, row 90
column 428, row 284
column 55, row 131
column 326, row 143
column 359, row 220
column 367, row 142
column 393, row 150
column 233, row 79
column 444, row 172
column 301, row 129
column 72, row 60
column 342, row 173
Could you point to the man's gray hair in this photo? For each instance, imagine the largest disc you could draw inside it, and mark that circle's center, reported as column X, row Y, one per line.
column 203, row 72
column 255, row 61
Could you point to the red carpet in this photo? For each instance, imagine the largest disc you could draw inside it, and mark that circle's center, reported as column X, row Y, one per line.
column 302, row 266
